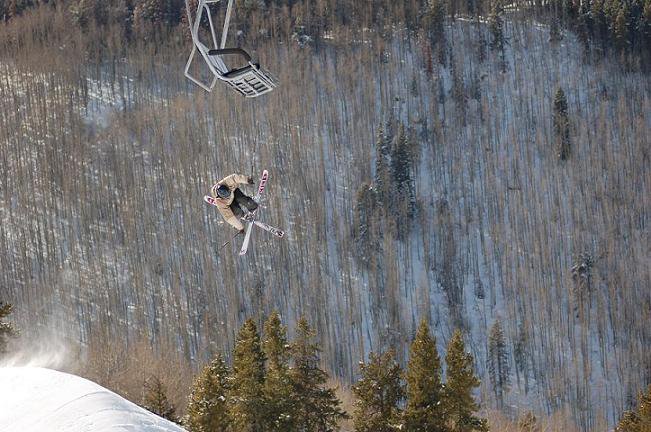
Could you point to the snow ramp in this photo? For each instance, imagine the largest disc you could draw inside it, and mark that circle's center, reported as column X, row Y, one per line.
column 42, row 400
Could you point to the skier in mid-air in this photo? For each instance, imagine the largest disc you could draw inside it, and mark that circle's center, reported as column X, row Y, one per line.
column 229, row 199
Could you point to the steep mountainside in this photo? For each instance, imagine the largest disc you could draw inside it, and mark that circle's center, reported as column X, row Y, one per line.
column 103, row 231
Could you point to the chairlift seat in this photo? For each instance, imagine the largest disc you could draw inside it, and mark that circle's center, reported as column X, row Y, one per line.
column 250, row 80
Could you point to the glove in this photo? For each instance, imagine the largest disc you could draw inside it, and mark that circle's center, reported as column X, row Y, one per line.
column 242, row 231
column 249, row 180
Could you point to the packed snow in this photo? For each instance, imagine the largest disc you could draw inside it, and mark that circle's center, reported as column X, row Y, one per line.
column 39, row 400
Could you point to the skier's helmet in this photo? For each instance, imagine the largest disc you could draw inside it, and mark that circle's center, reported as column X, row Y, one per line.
column 223, row 191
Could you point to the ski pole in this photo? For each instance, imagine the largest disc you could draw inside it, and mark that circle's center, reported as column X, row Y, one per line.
column 232, row 238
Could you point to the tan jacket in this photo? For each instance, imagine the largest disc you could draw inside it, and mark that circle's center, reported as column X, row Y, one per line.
column 233, row 181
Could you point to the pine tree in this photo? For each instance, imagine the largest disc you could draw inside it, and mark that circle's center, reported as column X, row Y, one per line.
column 458, row 91
column 401, row 168
column 377, row 394
column 528, row 423
column 121, row 13
column 582, row 283
column 498, row 365
column 84, row 12
column 317, row 407
column 248, row 408
column 640, row 420
column 449, row 279
column 156, row 401
column 434, row 21
column 434, row 25
column 402, row 159
column 208, row 405
column 459, row 404
column 621, row 26
column 413, row 88
column 147, row 13
column 423, row 412
column 520, row 356
column 598, row 19
column 555, row 34
column 365, row 216
column 7, row 330
column 278, row 385
column 382, row 181
column 561, row 125
column 496, row 28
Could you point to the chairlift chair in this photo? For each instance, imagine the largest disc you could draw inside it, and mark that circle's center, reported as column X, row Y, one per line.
column 250, row 80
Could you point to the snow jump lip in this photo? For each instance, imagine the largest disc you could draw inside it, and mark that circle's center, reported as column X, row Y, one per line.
column 40, row 400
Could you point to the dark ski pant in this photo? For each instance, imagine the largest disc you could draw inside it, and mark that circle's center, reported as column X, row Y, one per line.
column 240, row 200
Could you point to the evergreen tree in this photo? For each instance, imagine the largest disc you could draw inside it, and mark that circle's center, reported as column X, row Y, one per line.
column 208, row 406
column 156, row 401
column 449, row 265
column 498, row 364
column 528, row 423
column 248, row 408
column 317, row 407
column 378, row 393
column 458, row 91
column 496, row 29
column 87, row 12
column 555, row 34
column 365, row 216
column 7, row 330
column 147, row 13
column 382, row 181
column 413, row 88
column 402, row 157
column 582, row 282
column 401, row 167
column 121, row 13
column 640, row 420
column 598, row 20
column 278, row 385
column 561, row 125
column 621, row 26
column 520, row 356
column 459, row 404
column 434, row 25
column 423, row 412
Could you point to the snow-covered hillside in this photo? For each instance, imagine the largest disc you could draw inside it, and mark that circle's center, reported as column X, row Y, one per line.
column 41, row 400
column 104, row 235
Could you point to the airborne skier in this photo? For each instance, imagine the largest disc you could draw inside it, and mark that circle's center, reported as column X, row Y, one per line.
column 229, row 199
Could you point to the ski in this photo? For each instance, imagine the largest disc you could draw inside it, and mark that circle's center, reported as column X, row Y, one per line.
column 249, row 228
column 210, row 200
column 273, row 230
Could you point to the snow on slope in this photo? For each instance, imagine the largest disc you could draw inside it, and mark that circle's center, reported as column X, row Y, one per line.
column 41, row 400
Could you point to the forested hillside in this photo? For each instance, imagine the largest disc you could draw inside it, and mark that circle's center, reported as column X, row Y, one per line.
column 474, row 165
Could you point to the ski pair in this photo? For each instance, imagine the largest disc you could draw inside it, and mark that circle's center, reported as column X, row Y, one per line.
column 247, row 236
column 250, row 217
